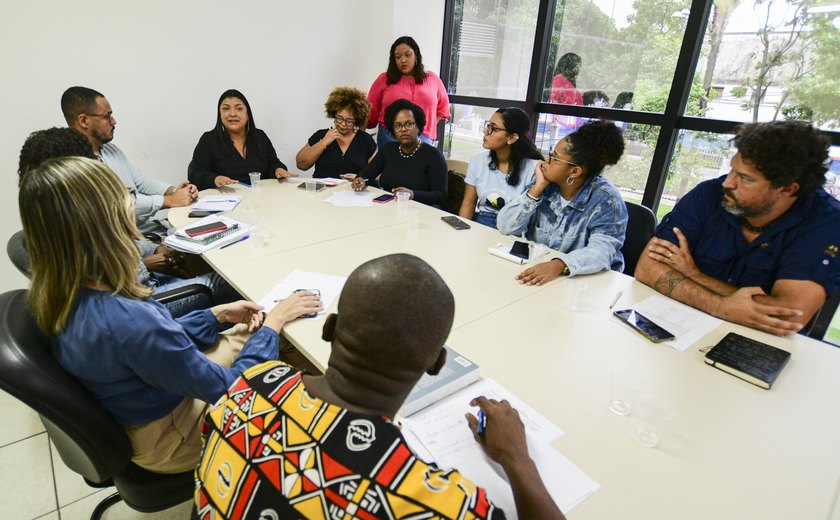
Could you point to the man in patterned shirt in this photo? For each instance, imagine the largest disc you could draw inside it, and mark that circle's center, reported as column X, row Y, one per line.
column 282, row 444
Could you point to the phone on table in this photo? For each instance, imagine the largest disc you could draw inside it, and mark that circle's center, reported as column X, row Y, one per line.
column 455, row 222
column 643, row 325
column 202, row 213
column 206, row 228
column 520, row 249
column 318, row 186
column 382, row 199
column 316, row 291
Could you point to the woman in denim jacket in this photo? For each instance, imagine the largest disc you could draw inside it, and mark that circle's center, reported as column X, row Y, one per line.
column 571, row 208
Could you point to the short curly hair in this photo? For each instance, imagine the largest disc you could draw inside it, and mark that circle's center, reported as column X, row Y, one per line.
column 50, row 143
column 595, row 145
column 785, row 152
column 403, row 104
column 350, row 98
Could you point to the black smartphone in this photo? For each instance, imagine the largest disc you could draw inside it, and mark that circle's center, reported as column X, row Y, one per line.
column 520, row 249
column 455, row 222
column 202, row 213
column 206, row 228
column 318, row 186
column 382, row 199
column 316, row 291
column 643, row 326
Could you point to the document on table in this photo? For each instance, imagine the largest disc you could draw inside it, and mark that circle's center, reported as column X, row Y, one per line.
column 329, row 285
column 440, row 434
column 687, row 324
column 350, row 198
column 217, row 203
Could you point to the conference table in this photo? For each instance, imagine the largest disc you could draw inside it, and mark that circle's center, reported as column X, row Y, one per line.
column 732, row 450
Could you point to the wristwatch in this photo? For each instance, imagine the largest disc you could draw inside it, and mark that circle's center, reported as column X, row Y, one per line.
column 566, row 271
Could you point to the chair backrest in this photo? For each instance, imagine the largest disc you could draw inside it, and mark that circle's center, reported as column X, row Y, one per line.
column 16, row 248
column 457, row 166
column 88, row 439
column 641, row 223
column 455, row 192
column 819, row 324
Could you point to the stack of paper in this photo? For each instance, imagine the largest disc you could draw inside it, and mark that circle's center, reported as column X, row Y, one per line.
column 217, row 203
column 350, row 198
column 687, row 324
column 237, row 231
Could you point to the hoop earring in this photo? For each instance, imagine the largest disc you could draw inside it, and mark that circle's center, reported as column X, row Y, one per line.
column 570, row 180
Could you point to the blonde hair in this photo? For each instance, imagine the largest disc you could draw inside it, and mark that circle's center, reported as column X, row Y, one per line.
column 78, row 222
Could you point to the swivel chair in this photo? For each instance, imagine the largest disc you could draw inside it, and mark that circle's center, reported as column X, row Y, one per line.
column 641, row 223
column 86, row 436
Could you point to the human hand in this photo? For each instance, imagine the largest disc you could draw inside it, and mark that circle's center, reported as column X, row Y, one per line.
column 741, row 307
column 223, row 180
column 410, row 192
column 358, row 183
column 282, row 174
column 676, row 256
column 540, row 182
column 331, row 135
column 241, row 311
column 348, row 176
column 293, row 307
column 180, row 197
column 168, row 261
column 542, row 273
column 504, row 434
column 191, row 188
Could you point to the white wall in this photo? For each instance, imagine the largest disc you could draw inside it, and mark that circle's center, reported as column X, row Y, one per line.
column 162, row 65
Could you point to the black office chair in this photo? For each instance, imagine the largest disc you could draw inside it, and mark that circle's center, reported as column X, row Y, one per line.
column 641, row 223
column 818, row 325
column 455, row 192
column 179, row 301
column 88, row 439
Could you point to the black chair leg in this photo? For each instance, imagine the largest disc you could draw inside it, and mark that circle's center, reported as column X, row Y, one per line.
column 102, row 506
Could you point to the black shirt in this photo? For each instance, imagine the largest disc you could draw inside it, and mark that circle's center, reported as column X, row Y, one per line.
column 333, row 163
column 215, row 155
column 424, row 172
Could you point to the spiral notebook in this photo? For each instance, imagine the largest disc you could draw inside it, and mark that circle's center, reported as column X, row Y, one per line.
column 208, row 238
column 199, row 244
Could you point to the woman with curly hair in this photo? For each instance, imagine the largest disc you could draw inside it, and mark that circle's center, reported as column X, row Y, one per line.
column 572, row 208
column 341, row 148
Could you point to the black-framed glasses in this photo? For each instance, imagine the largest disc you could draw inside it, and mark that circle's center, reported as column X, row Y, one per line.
column 408, row 125
column 555, row 157
column 109, row 116
column 490, row 128
column 344, row 121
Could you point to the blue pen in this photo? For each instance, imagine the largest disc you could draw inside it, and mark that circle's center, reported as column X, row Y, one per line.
column 236, row 242
column 482, row 423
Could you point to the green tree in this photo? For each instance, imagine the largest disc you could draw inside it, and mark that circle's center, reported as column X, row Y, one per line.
column 721, row 12
column 819, row 90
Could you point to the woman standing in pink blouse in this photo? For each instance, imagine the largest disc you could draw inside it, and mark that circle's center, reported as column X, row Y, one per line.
column 407, row 79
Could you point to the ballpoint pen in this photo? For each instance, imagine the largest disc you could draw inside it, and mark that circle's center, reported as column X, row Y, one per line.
column 482, row 423
column 236, row 242
column 615, row 300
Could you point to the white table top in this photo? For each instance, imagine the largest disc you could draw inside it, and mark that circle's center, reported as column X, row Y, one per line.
column 732, row 451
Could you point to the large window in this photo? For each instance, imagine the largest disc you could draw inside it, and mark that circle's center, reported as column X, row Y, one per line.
column 676, row 75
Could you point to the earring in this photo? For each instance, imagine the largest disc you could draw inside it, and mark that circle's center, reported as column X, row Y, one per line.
column 570, row 180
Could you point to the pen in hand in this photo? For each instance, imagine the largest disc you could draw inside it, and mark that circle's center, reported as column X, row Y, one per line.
column 482, row 423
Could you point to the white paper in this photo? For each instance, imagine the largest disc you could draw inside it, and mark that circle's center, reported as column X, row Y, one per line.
column 178, row 243
column 218, row 203
column 331, row 181
column 687, row 324
column 350, row 198
column 503, row 251
column 329, row 285
column 440, row 433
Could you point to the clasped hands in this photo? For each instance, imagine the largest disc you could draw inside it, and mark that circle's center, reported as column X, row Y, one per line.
column 248, row 312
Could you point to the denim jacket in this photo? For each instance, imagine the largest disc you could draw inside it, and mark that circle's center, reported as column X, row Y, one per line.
column 588, row 232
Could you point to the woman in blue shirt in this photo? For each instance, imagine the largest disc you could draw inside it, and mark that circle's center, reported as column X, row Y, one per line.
column 155, row 374
column 571, row 208
column 502, row 172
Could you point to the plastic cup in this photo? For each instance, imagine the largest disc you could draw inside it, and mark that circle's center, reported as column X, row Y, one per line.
column 625, row 387
column 311, row 185
column 574, row 295
column 255, row 179
column 536, row 252
column 402, row 200
column 650, row 416
column 257, row 237
column 413, row 218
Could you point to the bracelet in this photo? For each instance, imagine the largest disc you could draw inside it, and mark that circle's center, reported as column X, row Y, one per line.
column 535, row 199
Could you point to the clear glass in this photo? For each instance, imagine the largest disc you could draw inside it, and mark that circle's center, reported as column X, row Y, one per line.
column 614, row 53
column 492, row 43
column 765, row 61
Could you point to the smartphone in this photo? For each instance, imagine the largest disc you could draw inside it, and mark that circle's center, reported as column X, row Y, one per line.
column 382, row 199
column 318, row 186
column 455, row 222
column 204, row 229
column 519, row 249
column 643, row 326
column 316, row 291
column 202, row 213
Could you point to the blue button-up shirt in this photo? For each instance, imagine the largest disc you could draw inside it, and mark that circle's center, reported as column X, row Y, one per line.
column 588, row 232
column 802, row 244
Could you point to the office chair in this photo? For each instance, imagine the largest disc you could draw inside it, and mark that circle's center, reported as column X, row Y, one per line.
column 179, row 301
column 641, row 223
column 88, row 439
column 818, row 325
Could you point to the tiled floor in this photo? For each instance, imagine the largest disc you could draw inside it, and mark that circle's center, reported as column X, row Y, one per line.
column 36, row 484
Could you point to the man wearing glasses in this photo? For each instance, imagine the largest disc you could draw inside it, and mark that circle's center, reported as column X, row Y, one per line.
column 757, row 246
column 87, row 111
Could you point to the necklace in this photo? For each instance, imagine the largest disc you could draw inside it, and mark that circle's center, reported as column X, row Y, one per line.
column 404, row 156
column 755, row 229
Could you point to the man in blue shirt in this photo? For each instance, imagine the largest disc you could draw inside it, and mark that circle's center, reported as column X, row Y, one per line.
column 758, row 246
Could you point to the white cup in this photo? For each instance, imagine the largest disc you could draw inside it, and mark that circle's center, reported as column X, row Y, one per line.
column 625, row 387
column 258, row 237
column 402, row 200
column 574, row 295
column 536, row 252
column 255, row 179
column 413, row 218
column 650, row 416
column 311, row 185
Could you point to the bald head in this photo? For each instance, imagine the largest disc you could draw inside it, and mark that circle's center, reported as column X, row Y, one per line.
column 395, row 313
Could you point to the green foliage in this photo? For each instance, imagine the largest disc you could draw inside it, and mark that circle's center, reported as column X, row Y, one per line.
column 798, row 112
column 819, row 89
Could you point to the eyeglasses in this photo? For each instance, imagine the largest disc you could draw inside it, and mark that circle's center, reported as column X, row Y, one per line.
column 490, row 128
column 408, row 125
column 555, row 157
column 109, row 116
column 344, row 121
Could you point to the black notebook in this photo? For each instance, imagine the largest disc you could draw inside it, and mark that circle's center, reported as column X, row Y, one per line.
column 753, row 361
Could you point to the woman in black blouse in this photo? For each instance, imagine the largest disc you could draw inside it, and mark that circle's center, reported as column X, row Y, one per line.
column 408, row 165
column 340, row 149
column 234, row 148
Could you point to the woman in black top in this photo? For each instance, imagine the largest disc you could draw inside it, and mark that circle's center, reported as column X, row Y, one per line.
column 408, row 165
column 340, row 149
column 234, row 148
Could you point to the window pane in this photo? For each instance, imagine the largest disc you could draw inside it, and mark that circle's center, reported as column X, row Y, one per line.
column 463, row 134
column 763, row 61
column 492, row 43
column 614, row 53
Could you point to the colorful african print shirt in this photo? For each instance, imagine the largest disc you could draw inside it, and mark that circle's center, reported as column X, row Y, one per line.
column 273, row 451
